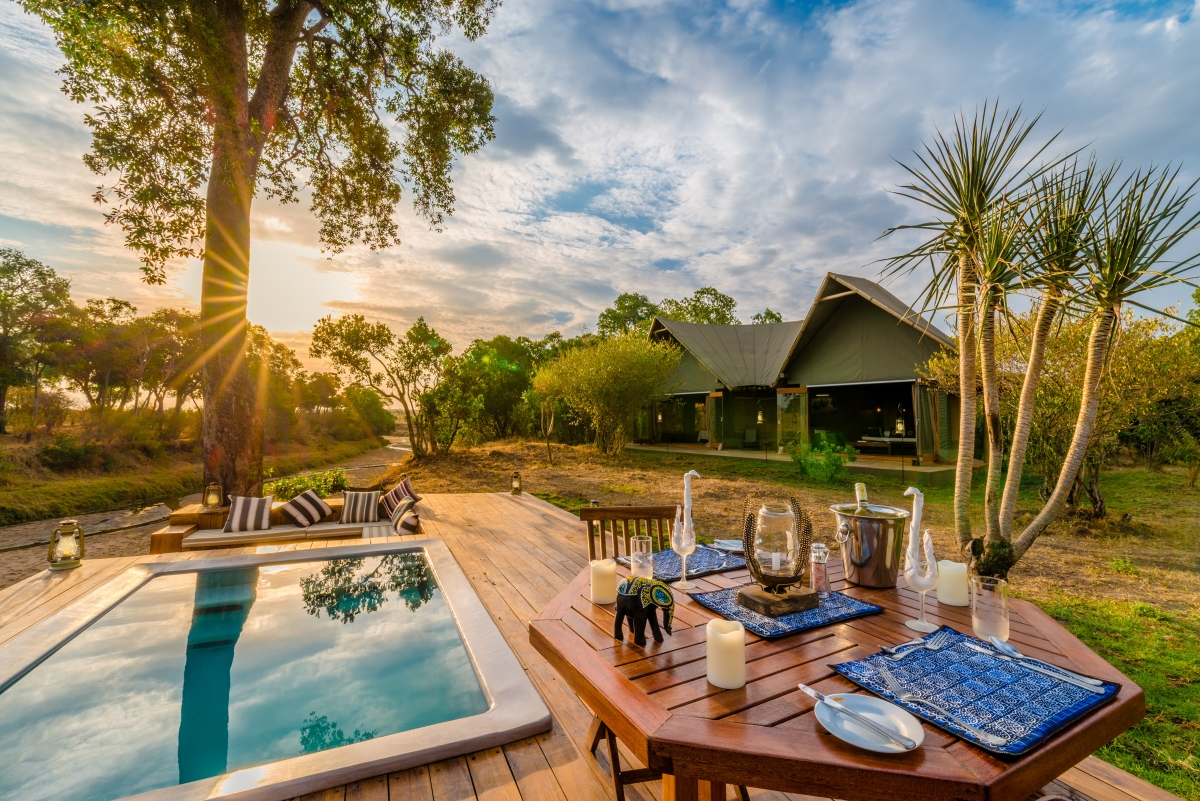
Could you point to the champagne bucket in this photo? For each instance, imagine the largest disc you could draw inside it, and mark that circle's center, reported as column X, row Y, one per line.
column 871, row 544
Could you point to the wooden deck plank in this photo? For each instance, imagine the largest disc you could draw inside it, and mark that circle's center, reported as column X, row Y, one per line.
column 492, row 777
column 410, row 785
column 372, row 789
column 451, row 780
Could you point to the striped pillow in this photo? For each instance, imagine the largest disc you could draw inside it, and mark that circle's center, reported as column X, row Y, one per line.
column 306, row 509
column 249, row 514
column 360, row 507
column 393, row 500
column 406, row 487
column 405, row 506
column 407, row 523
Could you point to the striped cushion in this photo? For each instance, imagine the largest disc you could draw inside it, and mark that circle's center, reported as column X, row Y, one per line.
column 306, row 508
column 360, row 507
column 393, row 500
column 249, row 514
column 405, row 506
column 407, row 523
column 406, row 487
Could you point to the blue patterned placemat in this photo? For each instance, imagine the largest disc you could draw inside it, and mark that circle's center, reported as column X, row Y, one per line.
column 1005, row 699
column 834, row 608
column 703, row 561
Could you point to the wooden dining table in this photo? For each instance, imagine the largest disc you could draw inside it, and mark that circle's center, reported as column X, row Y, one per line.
column 657, row 700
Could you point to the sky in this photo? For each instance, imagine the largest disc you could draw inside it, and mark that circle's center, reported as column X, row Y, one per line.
column 651, row 147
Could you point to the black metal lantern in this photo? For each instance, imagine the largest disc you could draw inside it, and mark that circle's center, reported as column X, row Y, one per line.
column 516, row 483
column 213, row 499
column 66, row 546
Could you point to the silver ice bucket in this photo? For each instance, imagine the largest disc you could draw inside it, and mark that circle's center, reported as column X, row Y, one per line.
column 871, row 544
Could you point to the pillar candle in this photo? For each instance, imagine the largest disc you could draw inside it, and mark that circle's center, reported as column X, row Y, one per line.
column 604, row 581
column 726, row 654
column 952, row 583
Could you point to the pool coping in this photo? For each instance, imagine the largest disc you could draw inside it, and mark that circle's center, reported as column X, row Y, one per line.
column 515, row 709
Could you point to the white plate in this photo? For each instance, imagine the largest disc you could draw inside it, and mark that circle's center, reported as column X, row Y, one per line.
column 733, row 546
column 850, row 730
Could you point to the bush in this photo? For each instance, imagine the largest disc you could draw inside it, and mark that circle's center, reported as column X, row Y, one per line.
column 825, row 464
column 65, row 453
column 324, row 482
column 368, row 406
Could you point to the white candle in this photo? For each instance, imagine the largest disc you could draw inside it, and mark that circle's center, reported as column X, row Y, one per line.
column 604, row 581
column 952, row 583
column 726, row 654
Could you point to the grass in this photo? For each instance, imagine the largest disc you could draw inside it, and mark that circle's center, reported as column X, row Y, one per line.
column 1160, row 652
column 24, row 500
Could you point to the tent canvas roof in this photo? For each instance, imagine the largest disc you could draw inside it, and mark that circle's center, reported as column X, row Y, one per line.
column 886, row 300
column 739, row 355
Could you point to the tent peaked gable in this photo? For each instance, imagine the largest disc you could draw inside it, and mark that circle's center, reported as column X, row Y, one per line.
column 738, row 355
column 884, row 299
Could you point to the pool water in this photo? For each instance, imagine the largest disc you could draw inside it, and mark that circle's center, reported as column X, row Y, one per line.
column 199, row 674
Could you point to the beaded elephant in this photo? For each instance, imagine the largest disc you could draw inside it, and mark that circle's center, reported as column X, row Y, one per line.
column 639, row 599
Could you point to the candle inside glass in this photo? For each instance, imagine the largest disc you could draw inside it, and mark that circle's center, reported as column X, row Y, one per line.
column 952, row 583
column 725, row 654
column 604, row 581
column 641, row 557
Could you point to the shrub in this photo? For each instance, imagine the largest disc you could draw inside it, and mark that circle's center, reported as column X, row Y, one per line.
column 65, row 453
column 825, row 464
column 324, row 482
column 368, row 406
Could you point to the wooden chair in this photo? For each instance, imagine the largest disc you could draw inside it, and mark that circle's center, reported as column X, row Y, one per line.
column 602, row 524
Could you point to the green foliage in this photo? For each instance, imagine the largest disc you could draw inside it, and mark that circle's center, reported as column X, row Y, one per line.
column 323, row 482
column 826, row 463
column 767, row 316
column 1160, row 652
column 630, row 313
column 706, row 305
column 1123, row 565
column 32, row 301
column 169, row 80
column 368, row 406
column 610, row 382
column 497, row 371
column 65, row 453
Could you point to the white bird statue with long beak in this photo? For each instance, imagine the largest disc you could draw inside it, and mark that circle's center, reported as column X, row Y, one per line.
column 920, row 569
column 688, row 529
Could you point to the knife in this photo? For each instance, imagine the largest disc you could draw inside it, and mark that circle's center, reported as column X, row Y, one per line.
column 832, row 702
column 1063, row 677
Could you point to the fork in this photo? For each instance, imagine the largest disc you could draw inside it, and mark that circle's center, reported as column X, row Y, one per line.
column 896, row 690
column 935, row 643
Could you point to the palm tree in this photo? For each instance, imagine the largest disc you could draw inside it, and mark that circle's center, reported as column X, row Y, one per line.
column 1064, row 201
column 962, row 178
column 1125, row 249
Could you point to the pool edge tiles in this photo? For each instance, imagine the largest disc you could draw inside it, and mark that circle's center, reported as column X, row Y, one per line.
column 514, row 708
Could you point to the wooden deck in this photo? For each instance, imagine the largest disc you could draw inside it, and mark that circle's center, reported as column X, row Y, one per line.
column 518, row 552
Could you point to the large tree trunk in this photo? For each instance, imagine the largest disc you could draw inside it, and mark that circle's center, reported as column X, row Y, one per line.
column 991, row 413
column 1102, row 328
column 3, row 408
column 966, row 389
column 1023, row 425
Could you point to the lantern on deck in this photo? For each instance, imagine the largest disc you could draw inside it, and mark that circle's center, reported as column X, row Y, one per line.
column 212, row 497
column 516, row 483
column 66, row 546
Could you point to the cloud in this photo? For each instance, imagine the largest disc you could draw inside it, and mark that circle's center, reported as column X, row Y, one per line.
column 658, row 147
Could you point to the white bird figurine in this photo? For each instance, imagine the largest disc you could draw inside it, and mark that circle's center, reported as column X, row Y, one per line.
column 688, row 529
column 920, row 569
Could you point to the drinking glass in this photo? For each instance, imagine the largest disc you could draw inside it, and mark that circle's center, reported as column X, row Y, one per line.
column 683, row 542
column 775, row 540
column 989, row 607
column 641, row 557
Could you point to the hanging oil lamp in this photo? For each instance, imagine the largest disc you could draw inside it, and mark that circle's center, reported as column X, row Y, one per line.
column 212, row 497
column 66, row 546
column 516, row 483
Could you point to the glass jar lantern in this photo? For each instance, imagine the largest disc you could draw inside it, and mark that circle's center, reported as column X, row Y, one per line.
column 775, row 539
column 516, row 483
column 66, row 546
column 212, row 497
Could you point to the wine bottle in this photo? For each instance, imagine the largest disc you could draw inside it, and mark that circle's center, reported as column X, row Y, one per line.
column 860, row 496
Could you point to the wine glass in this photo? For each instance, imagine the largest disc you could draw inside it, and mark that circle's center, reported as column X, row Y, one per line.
column 683, row 542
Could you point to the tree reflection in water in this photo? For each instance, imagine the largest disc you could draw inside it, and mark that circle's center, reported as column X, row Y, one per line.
column 343, row 593
column 320, row 734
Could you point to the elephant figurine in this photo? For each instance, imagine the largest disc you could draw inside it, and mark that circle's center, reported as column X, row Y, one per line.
column 639, row 599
